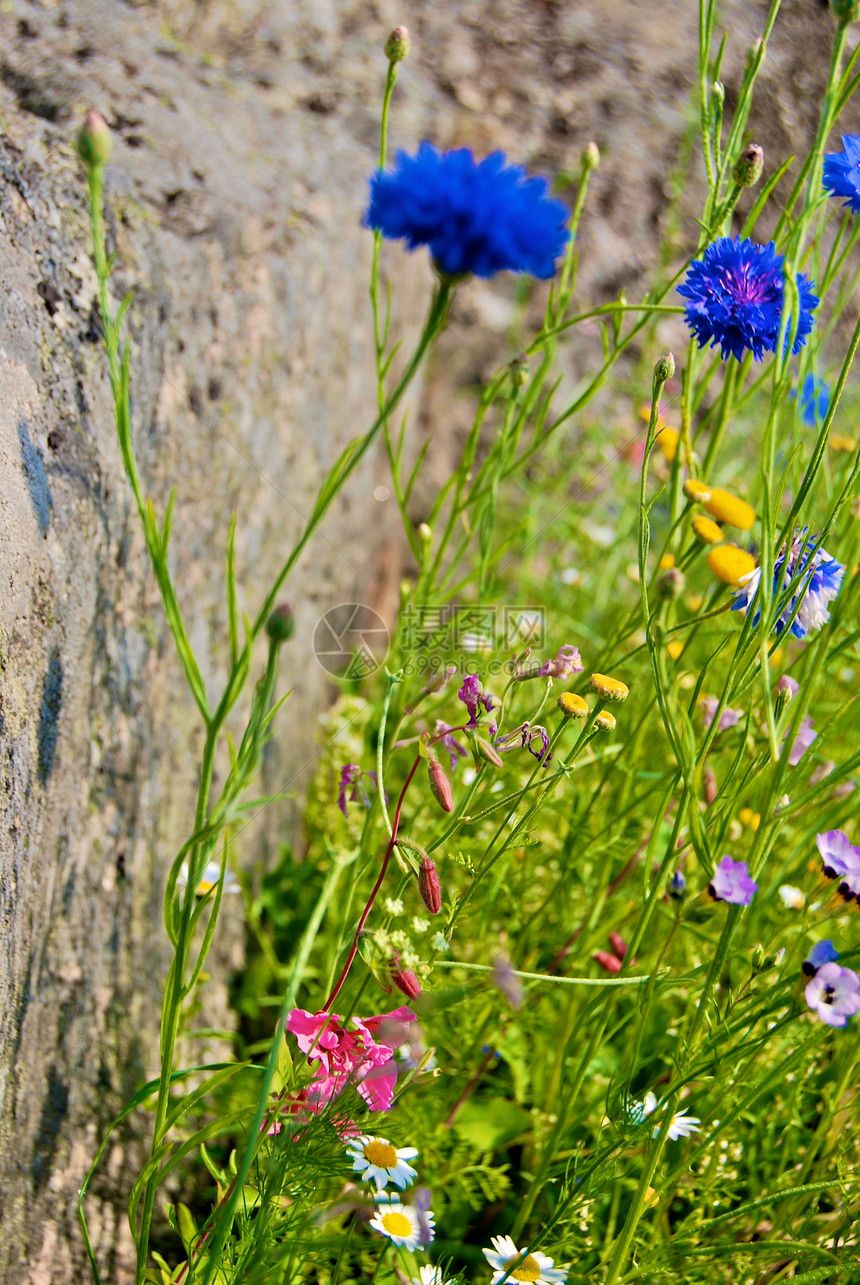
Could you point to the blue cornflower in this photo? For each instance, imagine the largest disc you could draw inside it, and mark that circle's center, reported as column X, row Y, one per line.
column 841, row 175
column 475, row 216
column 824, row 952
column 816, row 579
column 814, row 401
column 736, row 295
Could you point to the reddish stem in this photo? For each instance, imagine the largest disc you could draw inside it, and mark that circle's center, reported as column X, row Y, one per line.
column 326, row 1008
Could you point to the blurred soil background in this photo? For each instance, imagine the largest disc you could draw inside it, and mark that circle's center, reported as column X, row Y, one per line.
column 244, row 136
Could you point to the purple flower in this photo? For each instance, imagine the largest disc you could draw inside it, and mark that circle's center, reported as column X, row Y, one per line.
column 728, row 718
column 841, row 173
column 814, row 579
column 507, row 980
column 805, row 736
column 736, row 297
column 475, row 216
column 834, row 994
column 475, row 698
column 351, row 779
column 841, row 861
column 732, row 882
column 567, row 661
column 822, row 953
column 446, row 740
column 677, row 885
column 524, row 736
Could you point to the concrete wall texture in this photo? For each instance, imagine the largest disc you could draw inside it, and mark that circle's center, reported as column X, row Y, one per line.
column 244, row 134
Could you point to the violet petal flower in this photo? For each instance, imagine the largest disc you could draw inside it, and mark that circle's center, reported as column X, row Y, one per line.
column 823, row 952
column 348, row 776
column 474, row 697
column 567, row 661
column 728, row 718
column 455, row 749
column 840, row 856
column 834, row 994
column 732, row 883
column 805, row 736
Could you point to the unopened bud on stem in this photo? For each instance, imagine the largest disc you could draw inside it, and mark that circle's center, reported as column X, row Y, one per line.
column 281, row 625
column 397, row 45
column 94, row 140
column 440, row 785
column 665, row 368
column 428, row 886
column 748, row 166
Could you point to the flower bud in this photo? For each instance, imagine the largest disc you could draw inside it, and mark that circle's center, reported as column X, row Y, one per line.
column 606, row 961
column 428, row 886
column 706, row 530
column 696, row 492
column 677, row 885
column 718, row 93
column 618, row 944
column 397, row 45
column 748, row 166
column 590, row 158
column 520, row 370
column 670, row 584
column 94, row 141
column 609, row 689
column 665, row 368
column 281, row 625
column 730, row 564
column 573, row 706
column 405, row 980
column 487, row 752
column 605, row 722
column 758, row 957
column 440, row 785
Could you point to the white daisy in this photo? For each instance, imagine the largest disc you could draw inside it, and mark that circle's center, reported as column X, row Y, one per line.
column 512, row 1264
column 208, row 879
column 791, row 897
column 377, row 1159
column 682, row 1125
column 428, row 1275
column 401, row 1224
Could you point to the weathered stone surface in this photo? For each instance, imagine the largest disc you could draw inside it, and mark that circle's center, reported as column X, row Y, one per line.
column 244, row 135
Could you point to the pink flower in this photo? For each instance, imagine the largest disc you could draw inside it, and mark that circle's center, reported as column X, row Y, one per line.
column 803, row 740
column 728, row 718
column 363, row 1056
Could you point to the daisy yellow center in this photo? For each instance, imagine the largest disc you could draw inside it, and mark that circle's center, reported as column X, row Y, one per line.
column 527, row 1270
column 399, row 1225
column 381, row 1154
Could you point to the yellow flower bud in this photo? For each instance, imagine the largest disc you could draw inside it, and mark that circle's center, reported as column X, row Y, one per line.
column 730, row 563
column 609, row 689
column 706, row 530
column 667, row 442
column 675, row 648
column 697, row 492
column 605, row 722
column 573, row 706
column 727, row 508
column 667, row 562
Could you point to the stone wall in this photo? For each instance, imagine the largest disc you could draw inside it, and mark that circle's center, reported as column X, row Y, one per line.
column 244, row 135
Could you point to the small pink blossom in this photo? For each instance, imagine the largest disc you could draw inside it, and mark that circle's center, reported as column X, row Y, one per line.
column 363, row 1056
column 728, row 718
column 803, row 740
